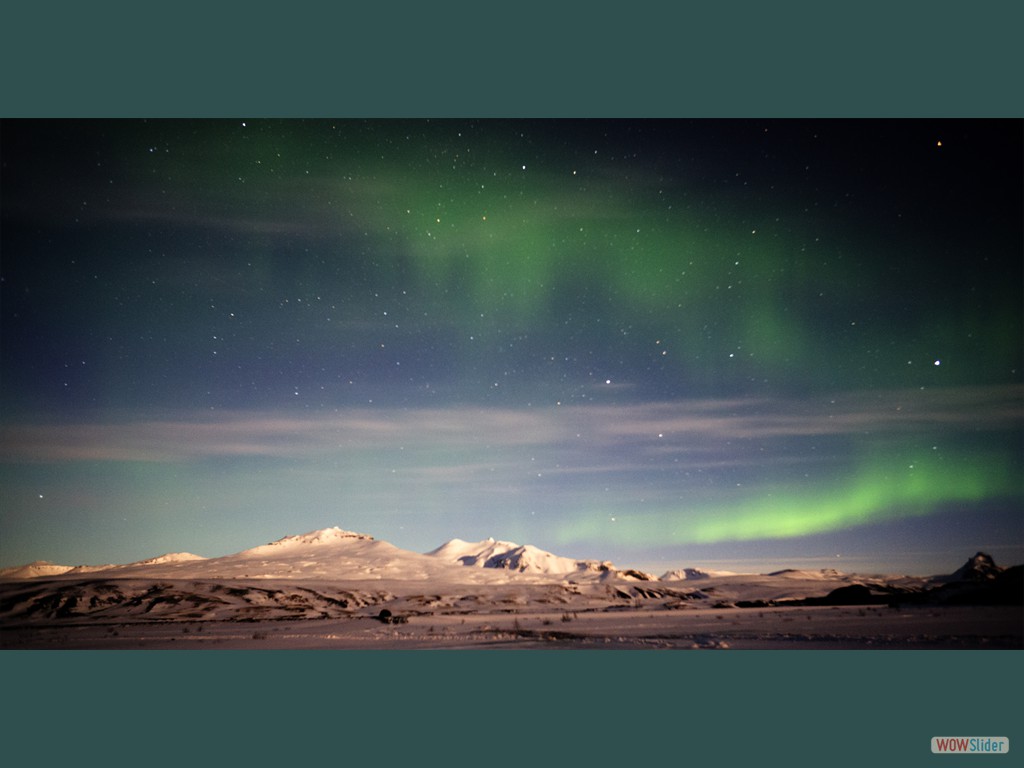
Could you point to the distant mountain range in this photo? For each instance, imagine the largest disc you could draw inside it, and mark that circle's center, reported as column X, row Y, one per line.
column 334, row 553
column 335, row 574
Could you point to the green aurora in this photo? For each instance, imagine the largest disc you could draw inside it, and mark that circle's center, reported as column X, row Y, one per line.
column 879, row 490
column 170, row 269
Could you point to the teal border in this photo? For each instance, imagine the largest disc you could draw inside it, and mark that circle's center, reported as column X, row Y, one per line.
column 806, row 708
column 558, row 59
column 551, row 58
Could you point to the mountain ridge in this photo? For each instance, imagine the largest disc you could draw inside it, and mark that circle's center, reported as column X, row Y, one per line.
column 336, row 553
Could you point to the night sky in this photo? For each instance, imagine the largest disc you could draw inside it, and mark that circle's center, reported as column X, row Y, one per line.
column 739, row 344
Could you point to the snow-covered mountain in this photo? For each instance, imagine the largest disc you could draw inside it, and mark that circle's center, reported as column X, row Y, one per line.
column 509, row 556
column 332, row 535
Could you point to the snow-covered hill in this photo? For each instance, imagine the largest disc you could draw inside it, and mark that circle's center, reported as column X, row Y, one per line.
column 170, row 557
column 693, row 574
column 34, row 570
column 41, row 568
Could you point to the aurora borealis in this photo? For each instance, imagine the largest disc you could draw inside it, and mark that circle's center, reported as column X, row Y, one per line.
column 740, row 344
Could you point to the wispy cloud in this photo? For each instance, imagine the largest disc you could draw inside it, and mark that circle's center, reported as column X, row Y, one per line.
column 651, row 429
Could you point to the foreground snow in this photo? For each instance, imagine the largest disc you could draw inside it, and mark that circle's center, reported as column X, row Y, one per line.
column 534, row 626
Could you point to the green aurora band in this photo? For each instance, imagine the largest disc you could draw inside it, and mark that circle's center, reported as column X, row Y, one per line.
column 877, row 492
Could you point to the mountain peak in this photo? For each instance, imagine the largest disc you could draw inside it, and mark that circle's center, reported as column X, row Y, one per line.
column 323, row 536
column 685, row 574
column 470, row 552
column 981, row 567
column 505, row 555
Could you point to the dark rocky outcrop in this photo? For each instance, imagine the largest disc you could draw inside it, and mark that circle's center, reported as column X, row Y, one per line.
column 1003, row 588
column 979, row 568
column 631, row 573
column 854, row 594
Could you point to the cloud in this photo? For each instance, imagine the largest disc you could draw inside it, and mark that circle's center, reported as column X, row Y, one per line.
column 644, row 432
